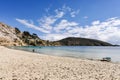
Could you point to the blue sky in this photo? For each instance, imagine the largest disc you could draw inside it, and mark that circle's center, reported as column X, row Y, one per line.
column 57, row 19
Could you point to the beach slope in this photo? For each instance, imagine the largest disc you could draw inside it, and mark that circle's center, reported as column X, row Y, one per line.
column 21, row 65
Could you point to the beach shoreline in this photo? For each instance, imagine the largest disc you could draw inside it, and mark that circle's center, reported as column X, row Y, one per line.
column 23, row 65
column 67, row 56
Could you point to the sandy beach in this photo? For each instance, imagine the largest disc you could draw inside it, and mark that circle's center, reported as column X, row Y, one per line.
column 21, row 65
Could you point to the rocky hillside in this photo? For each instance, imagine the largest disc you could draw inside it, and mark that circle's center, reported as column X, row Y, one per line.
column 30, row 39
column 72, row 41
column 10, row 36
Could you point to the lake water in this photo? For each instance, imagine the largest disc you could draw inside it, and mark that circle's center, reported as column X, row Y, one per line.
column 91, row 52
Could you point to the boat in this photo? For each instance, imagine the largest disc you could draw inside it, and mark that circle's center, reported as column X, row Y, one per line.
column 107, row 59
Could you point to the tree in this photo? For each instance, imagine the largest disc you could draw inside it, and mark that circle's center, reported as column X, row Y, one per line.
column 17, row 31
column 26, row 33
column 34, row 35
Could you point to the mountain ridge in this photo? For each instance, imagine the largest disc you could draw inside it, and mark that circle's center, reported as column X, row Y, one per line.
column 10, row 36
column 77, row 41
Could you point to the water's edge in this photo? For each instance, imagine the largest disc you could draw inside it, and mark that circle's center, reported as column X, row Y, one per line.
column 82, row 52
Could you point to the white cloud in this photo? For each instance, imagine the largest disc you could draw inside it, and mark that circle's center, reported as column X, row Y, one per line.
column 57, row 36
column 59, row 14
column 46, row 22
column 53, row 37
column 31, row 25
column 108, row 30
column 48, row 9
column 64, row 24
column 74, row 13
column 95, row 22
column 65, row 9
column 56, row 27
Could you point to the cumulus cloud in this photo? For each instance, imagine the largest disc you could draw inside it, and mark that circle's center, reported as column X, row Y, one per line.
column 108, row 30
column 56, row 27
column 95, row 22
column 64, row 24
column 46, row 22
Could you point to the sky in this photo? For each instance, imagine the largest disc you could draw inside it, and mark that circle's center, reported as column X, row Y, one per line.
column 57, row 19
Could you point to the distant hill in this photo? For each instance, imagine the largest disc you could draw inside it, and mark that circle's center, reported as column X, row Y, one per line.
column 73, row 41
column 10, row 36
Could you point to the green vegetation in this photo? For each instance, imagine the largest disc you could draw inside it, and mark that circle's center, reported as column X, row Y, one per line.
column 73, row 41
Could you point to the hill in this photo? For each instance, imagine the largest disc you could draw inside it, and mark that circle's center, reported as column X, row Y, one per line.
column 10, row 36
column 74, row 41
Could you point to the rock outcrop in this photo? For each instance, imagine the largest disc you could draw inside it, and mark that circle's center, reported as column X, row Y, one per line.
column 8, row 36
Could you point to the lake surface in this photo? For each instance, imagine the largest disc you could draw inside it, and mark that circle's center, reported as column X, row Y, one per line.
column 91, row 52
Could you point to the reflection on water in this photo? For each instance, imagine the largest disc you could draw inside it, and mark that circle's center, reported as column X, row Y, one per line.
column 96, row 52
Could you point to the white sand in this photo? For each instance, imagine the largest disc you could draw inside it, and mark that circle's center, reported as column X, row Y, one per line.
column 21, row 65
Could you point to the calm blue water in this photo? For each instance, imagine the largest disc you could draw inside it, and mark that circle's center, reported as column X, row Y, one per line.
column 96, row 52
